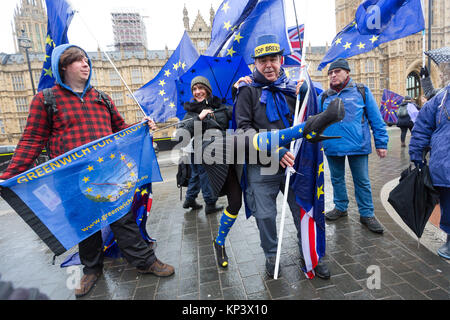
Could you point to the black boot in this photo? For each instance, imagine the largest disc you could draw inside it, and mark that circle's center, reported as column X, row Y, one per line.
column 315, row 125
column 222, row 258
column 211, row 208
column 191, row 203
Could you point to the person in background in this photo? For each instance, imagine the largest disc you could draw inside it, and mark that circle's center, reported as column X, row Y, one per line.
column 406, row 115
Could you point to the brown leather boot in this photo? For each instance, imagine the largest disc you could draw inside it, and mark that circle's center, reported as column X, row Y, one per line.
column 159, row 269
column 86, row 284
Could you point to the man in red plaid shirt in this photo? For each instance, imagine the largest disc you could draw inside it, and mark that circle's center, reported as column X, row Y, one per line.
column 81, row 117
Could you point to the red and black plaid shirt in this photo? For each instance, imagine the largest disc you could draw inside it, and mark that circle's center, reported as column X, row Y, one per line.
column 76, row 122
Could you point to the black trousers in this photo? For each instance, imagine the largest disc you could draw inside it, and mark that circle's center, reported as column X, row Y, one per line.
column 131, row 244
column 233, row 191
column 404, row 130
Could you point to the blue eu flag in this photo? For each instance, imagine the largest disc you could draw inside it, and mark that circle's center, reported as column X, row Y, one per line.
column 71, row 197
column 158, row 97
column 230, row 14
column 408, row 19
column 59, row 14
column 267, row 18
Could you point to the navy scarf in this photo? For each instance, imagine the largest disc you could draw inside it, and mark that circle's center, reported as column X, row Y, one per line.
column 273, row 95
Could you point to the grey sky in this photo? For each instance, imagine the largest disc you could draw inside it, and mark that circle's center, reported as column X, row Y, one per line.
column 164, row 24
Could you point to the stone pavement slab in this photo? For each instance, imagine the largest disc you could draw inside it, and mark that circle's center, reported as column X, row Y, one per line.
column 184, row 239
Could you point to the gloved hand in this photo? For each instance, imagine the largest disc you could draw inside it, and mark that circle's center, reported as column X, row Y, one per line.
column 424, row 72
column 419, row 163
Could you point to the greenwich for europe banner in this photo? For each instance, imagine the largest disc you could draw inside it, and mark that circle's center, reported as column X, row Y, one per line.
column 69, row 198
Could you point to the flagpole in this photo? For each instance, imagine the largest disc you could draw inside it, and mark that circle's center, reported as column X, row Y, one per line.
column 289, row 170
column 112, row 63
column 423, row 37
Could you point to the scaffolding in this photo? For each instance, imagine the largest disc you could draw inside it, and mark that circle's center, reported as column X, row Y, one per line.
column 129, row 29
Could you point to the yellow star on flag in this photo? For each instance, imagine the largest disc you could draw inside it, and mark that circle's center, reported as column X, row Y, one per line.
column 162, row 83
column 112, row 156
column 171, row 105
column 162, row 92
column 100, row 160
column 48, row 40
column 230, row 52
column 122, row 158
column 167, row 73
column 46, row 56
column 98, row 196
column 238, row 37
column 175, row 66
column 361, row 45
column 129, row 165
column 319, row 191
column 338, row 41
column 144, row 192
column 183, row 65
column 374, row 38
column 347, row 45
column 90, row 168
column 320, row 169
column 85, row 179
column 225, row 7
column 227, row 25
column 48, row 72
column 89, row 190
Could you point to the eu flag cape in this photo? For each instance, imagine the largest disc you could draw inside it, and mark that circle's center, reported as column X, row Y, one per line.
column 59, row 14
column 69, row 198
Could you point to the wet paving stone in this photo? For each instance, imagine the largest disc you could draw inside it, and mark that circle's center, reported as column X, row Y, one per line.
column 184, row 239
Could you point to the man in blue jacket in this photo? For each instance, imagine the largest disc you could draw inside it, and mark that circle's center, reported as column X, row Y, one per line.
column 361, row 114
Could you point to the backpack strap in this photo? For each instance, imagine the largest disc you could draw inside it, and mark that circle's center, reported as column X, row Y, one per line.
column 50, row 105
column 103, row 98
column 362, row 90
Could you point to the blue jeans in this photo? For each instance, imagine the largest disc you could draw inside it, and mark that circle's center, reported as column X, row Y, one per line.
column 359, row 166
column 444, row 200
column 199, row 180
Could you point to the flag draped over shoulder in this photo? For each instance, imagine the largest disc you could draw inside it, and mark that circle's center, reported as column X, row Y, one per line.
column 408, row 19
column 59, row 14
column 229, row 16
column 268, row 17
column 295, row 58
column 389, row 106
column 308, row 186
column 69, row 198
column 158, row 97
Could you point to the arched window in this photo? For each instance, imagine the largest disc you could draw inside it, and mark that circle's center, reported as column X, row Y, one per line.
column 413, row 85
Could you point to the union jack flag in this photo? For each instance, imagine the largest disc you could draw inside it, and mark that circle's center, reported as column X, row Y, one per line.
column 295, row 59
column 308, row 186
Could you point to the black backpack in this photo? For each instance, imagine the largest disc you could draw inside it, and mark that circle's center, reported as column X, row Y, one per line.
column 52, row 108
column 402, row 111
column 183, row 174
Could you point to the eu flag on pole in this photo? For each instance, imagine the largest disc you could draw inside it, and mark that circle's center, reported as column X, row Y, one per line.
column 389, row 106
column 407, row 20
column 229, row 16
column 295, row 58
column 267, row 18
column 374, row 16
column 308, row 186
column 69, row 198
column 158, row 97
column 59, row 14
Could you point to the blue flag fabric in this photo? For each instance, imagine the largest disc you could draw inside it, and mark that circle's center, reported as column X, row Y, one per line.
column 295, row 58
column 267, row 18
column 374, row 16
column 221, row 72
column 69, row 198
column 142, row 203
column 229, row 16
column 308, row 186
column 158, row 97
column 389, row 106
column 59, row 14
column 350, row 42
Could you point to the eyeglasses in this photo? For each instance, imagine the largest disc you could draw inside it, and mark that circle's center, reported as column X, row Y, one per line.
column 335, row 71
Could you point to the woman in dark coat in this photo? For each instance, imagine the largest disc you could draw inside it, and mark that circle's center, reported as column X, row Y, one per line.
column 214, row 115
